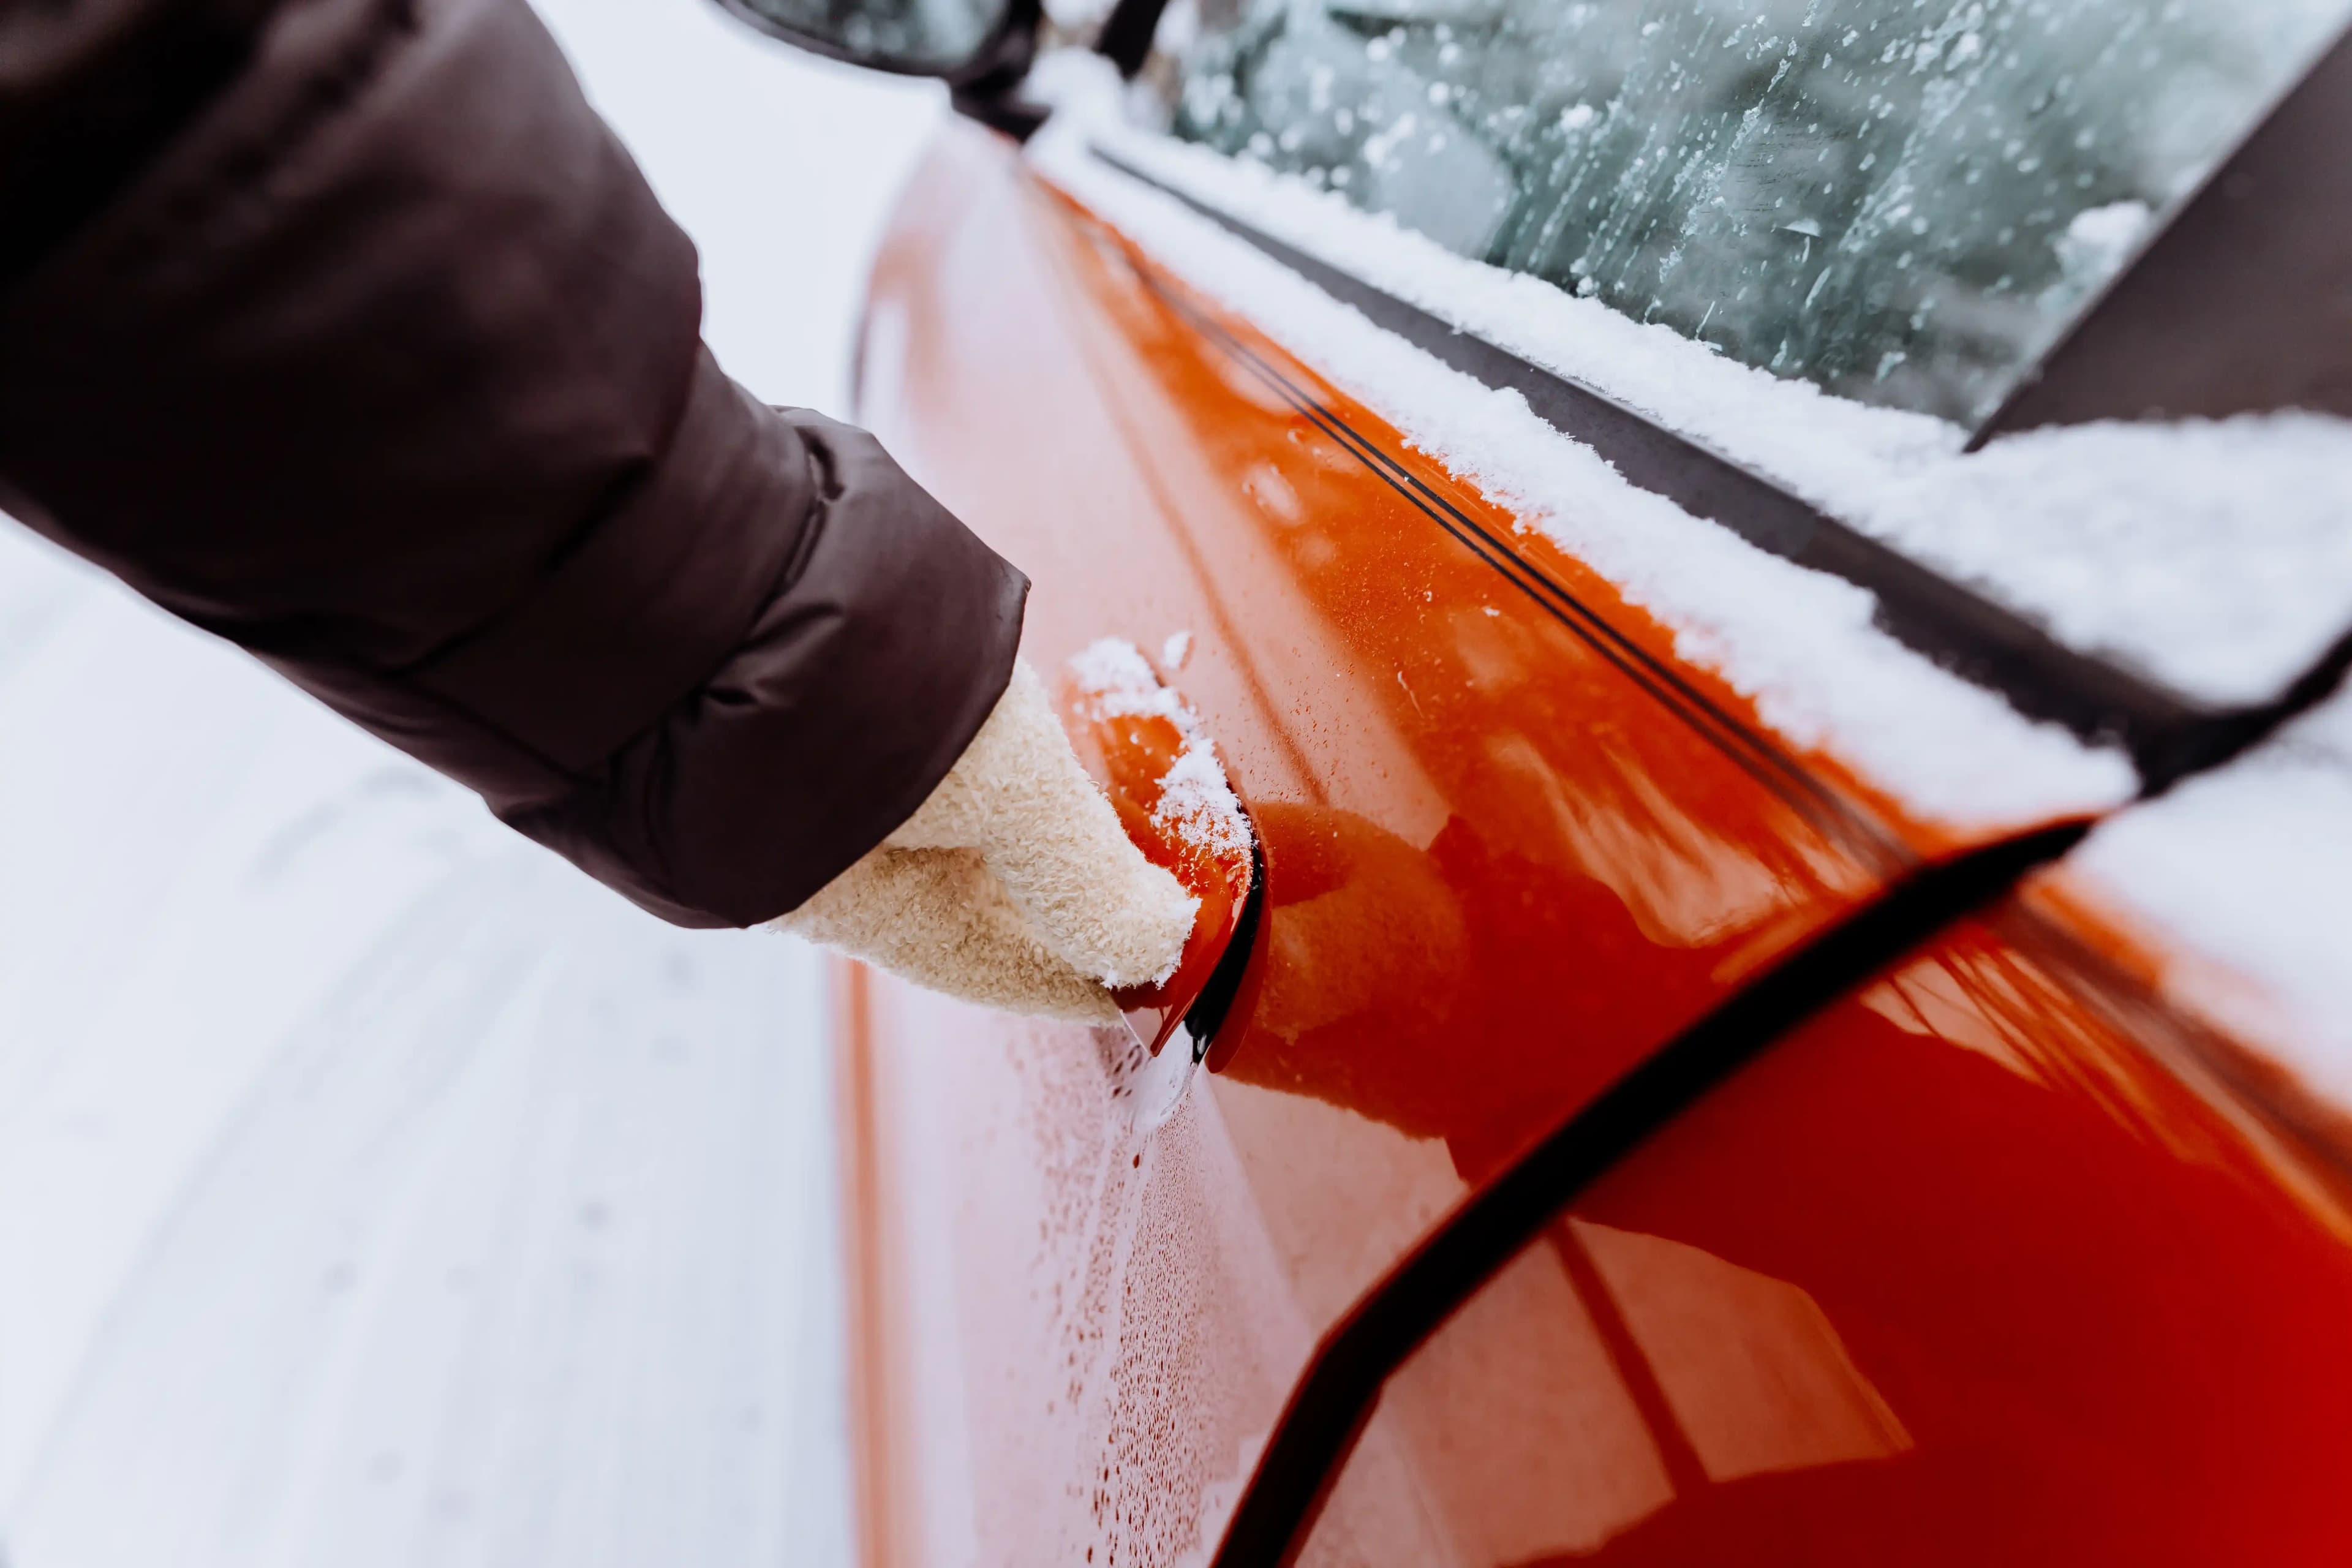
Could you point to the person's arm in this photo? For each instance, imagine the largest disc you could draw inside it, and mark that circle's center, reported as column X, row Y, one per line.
column 345, row 329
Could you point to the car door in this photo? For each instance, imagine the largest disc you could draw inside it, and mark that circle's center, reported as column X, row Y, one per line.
column 1458, row 770
column 1587, row 680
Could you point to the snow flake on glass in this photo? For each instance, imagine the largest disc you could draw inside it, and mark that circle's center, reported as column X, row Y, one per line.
column 1904, row 202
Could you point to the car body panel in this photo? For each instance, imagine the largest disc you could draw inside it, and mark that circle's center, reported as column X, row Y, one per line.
column 1512, row 842
column 1985, row 1262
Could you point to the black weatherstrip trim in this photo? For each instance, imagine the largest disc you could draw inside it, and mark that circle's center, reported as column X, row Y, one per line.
column 1819, row 803
column 2167, row 735
column 1328, row 1407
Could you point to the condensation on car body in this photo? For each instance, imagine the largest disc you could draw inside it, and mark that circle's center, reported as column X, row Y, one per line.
column 1142, row 1336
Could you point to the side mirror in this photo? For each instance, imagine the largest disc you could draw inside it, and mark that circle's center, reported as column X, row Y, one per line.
column 977, row 46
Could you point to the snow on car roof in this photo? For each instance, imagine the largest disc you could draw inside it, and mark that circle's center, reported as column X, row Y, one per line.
column 2243, row 876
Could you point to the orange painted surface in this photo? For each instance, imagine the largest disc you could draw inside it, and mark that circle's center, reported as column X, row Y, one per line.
column 1983, row 1265
column 1987, row 1264
column 879, row 1409
column 1510, row 847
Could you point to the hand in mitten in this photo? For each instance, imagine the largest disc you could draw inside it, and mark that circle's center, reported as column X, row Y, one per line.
column 1013, row 885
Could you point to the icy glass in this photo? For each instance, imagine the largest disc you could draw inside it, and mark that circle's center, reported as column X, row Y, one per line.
column 1904, row 201
column 905, row 35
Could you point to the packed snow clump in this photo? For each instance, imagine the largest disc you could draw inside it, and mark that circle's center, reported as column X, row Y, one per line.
column 1197, row 805
column 2210, row 557
column 2098, row 240
column 1118, row 682
column 2244, row 876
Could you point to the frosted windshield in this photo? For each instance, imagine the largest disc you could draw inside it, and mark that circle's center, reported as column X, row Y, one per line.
column 1904, row 202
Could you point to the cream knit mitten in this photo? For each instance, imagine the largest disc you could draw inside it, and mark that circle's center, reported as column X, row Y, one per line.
column 1013, row 885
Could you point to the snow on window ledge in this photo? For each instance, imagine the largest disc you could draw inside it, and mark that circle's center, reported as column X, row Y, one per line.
column 1799, row 644
column 2242, row 880
column 2210, row 557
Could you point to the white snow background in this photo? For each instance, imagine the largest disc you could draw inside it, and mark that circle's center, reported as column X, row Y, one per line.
column 373, row 1188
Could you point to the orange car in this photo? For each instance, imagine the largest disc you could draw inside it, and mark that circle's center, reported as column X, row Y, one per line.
column 1770, row 577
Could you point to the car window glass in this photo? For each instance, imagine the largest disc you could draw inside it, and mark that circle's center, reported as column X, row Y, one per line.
column 1902, row 203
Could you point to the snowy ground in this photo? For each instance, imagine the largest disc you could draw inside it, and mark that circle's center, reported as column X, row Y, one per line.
column 374, row 1189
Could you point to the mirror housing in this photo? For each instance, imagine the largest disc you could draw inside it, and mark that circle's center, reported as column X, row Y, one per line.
column 979, row 48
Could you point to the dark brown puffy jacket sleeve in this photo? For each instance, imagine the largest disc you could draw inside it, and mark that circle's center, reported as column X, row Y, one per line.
column 380, row 359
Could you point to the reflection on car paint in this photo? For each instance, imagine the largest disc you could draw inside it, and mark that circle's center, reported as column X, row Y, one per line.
column 1974, row 1268
column 1605, row 1372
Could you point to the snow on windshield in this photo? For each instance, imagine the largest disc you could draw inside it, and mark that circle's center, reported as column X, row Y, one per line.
column 1902, row 203
column 2210, row 557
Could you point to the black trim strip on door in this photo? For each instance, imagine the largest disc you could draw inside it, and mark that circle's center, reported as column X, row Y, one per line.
column 2167, row 736
column 1829, row 809
column 1329, row 1406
